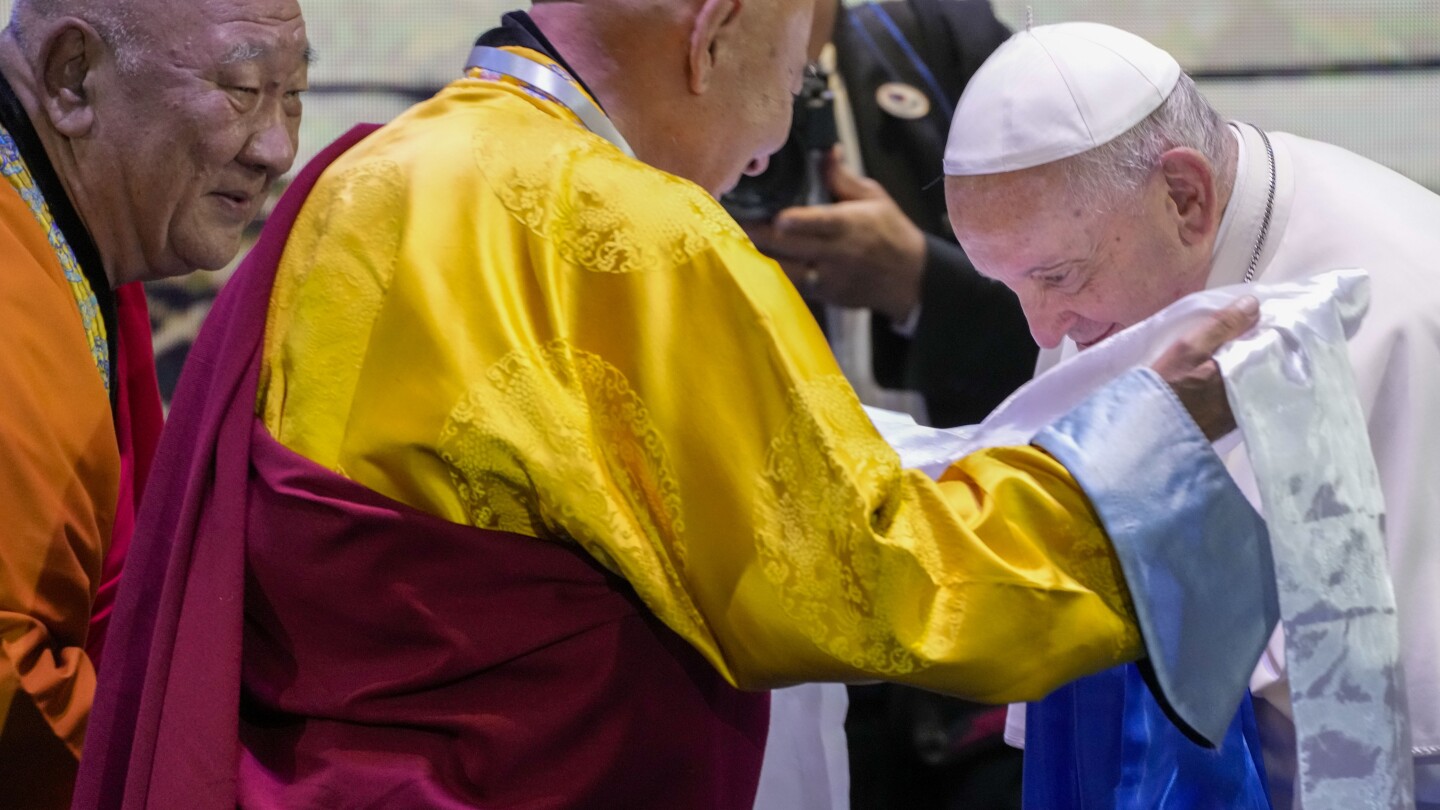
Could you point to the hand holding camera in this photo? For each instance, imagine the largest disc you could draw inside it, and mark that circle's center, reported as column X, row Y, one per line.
column 860, row 251
column 840, row 237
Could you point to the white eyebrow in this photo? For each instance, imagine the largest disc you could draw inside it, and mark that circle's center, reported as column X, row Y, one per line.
column 244, row 52
column 251, row 51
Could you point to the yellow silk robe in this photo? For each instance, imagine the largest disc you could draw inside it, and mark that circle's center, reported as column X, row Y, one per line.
column 490, row 314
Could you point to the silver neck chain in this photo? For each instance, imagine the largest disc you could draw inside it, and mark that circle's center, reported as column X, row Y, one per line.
column 1269, row 208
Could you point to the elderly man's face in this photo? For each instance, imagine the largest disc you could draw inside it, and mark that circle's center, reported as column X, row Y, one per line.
column 192, row 134
column 1080, row 272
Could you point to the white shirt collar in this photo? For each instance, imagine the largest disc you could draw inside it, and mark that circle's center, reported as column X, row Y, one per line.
column 1244, row 218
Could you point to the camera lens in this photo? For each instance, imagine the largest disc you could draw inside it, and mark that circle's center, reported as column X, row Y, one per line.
column 760, row 198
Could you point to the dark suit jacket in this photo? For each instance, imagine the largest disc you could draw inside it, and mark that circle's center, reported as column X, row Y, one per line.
column 971, row 347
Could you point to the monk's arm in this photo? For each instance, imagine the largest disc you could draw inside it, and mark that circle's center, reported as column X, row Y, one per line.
column 803, row 551
column 628, row 374
column 53, row 459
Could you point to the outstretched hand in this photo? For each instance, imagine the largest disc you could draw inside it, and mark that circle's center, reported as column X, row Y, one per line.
column 1189, row 367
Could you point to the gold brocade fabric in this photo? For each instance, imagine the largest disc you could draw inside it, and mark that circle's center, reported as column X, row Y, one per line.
column 490, row 314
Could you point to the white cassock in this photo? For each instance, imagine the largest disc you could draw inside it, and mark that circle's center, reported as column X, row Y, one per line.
column 1334, row 209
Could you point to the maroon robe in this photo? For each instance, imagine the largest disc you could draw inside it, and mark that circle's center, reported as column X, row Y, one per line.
column 139, row 417
column 288, row 638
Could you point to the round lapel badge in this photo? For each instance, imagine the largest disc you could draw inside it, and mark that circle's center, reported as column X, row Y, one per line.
column 903, row 101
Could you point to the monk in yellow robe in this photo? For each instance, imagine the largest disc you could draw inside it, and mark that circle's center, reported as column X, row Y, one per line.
column 80, row 411
column 506, row 458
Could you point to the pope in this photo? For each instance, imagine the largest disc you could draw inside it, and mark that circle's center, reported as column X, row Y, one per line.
column 1086, row 172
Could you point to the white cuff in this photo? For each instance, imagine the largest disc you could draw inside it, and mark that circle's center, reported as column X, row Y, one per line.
column 907, row 327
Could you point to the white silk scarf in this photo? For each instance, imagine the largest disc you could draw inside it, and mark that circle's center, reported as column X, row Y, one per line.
column 1293, row 394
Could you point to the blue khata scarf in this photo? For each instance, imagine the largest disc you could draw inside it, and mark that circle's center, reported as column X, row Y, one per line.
column 1103, row 743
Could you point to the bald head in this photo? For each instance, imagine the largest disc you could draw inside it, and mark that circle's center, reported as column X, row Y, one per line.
column 126, row 26
column 710, row 94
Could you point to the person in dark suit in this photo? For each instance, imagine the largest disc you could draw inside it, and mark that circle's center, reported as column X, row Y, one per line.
column 937, row 327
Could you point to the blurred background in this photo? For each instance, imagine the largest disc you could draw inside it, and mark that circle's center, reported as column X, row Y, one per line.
column 1363, row 74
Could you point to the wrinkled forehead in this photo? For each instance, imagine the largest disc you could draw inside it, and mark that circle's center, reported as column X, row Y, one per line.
column 230, row 31
column 1020, row 218
column 993, row 199
column 1047, row 178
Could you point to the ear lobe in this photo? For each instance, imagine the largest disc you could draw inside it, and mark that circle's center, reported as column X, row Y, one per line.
column 714, row 15
column 67, row 61
column 1190, row 183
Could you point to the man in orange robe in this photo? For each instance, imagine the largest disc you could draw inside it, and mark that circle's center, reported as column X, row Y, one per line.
column 115, row 167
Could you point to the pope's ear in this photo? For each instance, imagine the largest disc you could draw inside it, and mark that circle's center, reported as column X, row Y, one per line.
column 66, row 63
column 711, row 24
column 1190, row 182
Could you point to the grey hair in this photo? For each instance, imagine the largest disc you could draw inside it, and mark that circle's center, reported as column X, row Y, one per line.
column 1110, row 173
column 114, row 20
column 118, row 27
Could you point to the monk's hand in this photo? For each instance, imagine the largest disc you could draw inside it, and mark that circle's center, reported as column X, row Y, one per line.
column 1189, row 366
column 861, row 251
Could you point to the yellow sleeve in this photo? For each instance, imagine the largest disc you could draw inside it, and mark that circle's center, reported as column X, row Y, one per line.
column 764, row 518
column 593, row 352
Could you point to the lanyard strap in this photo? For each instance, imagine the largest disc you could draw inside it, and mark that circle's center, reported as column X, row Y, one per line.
column 879, row 12
column 556, row 86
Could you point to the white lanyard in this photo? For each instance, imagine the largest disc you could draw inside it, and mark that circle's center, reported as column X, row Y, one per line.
column 553, row 85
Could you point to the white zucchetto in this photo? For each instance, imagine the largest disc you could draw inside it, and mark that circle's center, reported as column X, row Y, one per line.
column 1054, row 91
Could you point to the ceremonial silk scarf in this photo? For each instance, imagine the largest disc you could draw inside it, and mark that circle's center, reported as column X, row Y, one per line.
column 1100, row 742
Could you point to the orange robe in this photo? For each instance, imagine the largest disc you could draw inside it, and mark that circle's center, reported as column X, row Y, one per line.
column 59, row 481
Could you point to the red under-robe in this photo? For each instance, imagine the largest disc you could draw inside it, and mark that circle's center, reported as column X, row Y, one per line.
column 139, row 417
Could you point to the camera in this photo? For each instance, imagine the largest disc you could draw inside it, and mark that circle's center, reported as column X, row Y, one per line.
column 796, row 174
